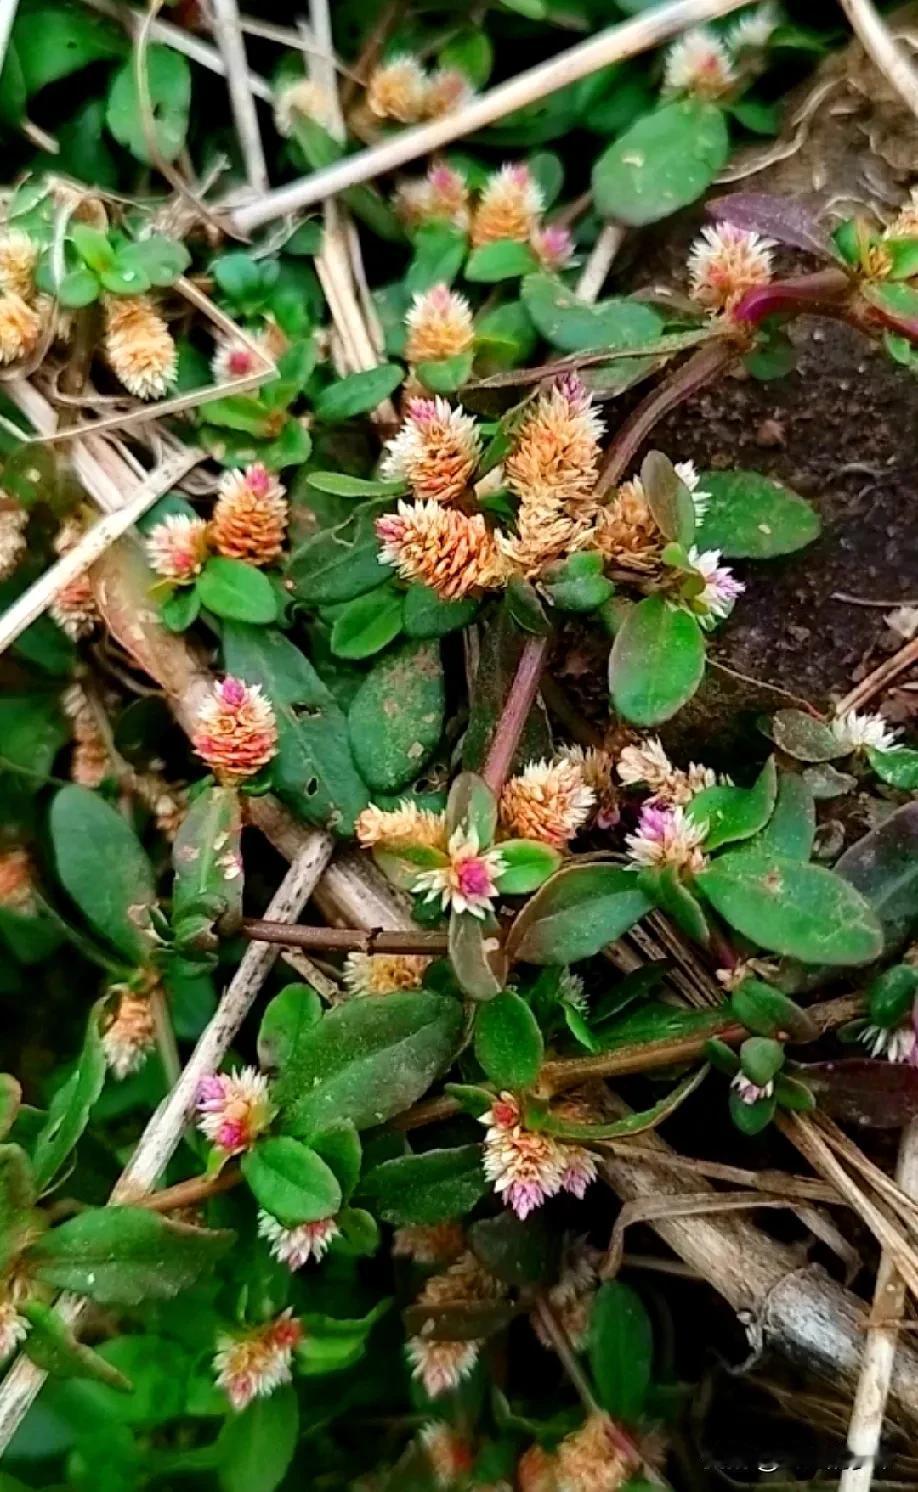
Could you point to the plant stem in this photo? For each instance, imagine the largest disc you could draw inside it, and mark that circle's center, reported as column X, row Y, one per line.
column 561, row 1343
column 343, row 939
column 519, row 702
column 189, row 1193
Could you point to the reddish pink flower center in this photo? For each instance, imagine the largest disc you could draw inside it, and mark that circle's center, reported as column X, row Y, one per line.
column 258, row 480
column 232, row 691
column 390, row 528
column 240, row 361
column 505, row 1114
column 286, row 1333
column 473, row 877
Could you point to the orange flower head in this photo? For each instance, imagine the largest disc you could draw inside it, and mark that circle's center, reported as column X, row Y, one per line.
column 447, row 89
column 236, row 731
column 398, row 89
column 383, row 973
column 302, row 100
column 453, row 553
column 436, row 451
column 18, row 258
column 20, row 328
column 250, row 517
column 139, row 346
column 439, row 324
column 626, row 531
column 396, row 827
column 509, row 206
column 724, row 263
column 548, row 801
column 556, row 455
column 595, row 1458
column 130, row 1035
column 16, row 887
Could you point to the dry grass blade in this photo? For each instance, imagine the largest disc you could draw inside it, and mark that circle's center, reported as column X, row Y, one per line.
column 689, row 1204
column 176, row 37
column 232, row 49
column 883, row 50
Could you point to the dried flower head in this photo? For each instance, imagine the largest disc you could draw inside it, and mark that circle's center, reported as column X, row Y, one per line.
column 750, row 1092
column 235, row 732
column 398, row 89
column 508, row 208
column 555, row 458
column 753, row 31
column 296, row 1246
column 383, row 973
column 454, row 553
column 626, row 531
column 74, row 607
column 253, row 1365
column 13, row 1328
column 429, row 1243
column 595, row 1458
column 20, row 327
column 91, row 761
column 724, row 263
column 526, row 1166
column 395, row 827
column 905, row 224
column 441, row 1365
column 130, row 1035
column 439, row 323
column 571, row 1297
column 552, row 245
column 447, row 89
column 17, row 892
column 450, row 1454
column 468, row 882
column 139, row 346
column 548, row 801
column 716, row 601
column 699, row 63
column 249, row 520
column 666, row 837
column 646, row 764
column 302, row 100
column 544, row 532
column 856, row 731
column 234, row 1109
column 177, row 547
column 18, row 258
column 435, row 452
column 13, row 524
column 597, row 767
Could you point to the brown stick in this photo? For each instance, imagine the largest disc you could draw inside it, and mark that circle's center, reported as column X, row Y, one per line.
column 520, row 701
column 343, row 939
column 189, row 1193
column 889, row 669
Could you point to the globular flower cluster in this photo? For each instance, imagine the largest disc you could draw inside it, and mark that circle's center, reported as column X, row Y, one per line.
column 255, row 1363
column 724, row 263
column 441, row 1365
column 467, row 882
column 296, row 1246
column 626, row 532
column 508, row 209
column 235, row 732
column 249, row 522
column 13, row 524
column 895, row 1043
column 435, row 452
column 74, row 607
column 749, row 1092
column 452, row 552
column 234, row 1109
column 856, row 731
column 548, row 801
column 383, row 973
column 130, row 1035
column 177, row 547
column 646, row 764
column 302, row 100
column 234, row 358
column 20, row 321
column 439, row 325
column 666, row 837
column 595, row 1458
column 440, row 196
column 527, row 1167
column 400, row 89
column 139, row 346
column 397, row 827
column 709, row 66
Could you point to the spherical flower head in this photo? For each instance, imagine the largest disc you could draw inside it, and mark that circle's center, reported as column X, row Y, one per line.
column 235, row 358
column 862, row 732
column 301, row 100
column 468, row 883
column 450, row 1454
column 139, row 346
column 235, row 732
column 595, row 1458
column 439, row 324
column 452, row 552
column 449, row 194
column 296, row 1246
column 18, row 258
column 666, row 837
column 429, row 1243
column 435, row 452
column 447, row 89
column 398, row 89
column 544, row 533
column 724, row 263
column 17, row 889
column 553, row 246
column 753, row 31
column 396, row 827
column 508, row 208
column 234, row 1109
column 526, row 1167
column 20, row 328
column 13, row 1328
column 905, row 224
column 700, row 64
column 250, row 516
column 130, row 1035
column 580, row 1170
column 895, row 1043
column 556, row 454
column 647, row 765
column 177, row 548
column 383, row 973
column 626, row 531
column 441, row 1366
column 13, row 544
column 750, row 1092
column 548, row 801
column 252, row 1366
column 721, row 588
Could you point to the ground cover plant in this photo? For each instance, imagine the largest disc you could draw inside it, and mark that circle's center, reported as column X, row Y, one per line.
column 460, row 1012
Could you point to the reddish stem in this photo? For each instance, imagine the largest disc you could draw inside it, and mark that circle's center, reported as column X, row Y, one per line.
column 519, row 702
column 821, row 294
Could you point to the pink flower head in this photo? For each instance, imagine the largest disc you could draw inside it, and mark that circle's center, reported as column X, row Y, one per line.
column 234, row 1109
column 552, row 246
column 468, row 882
column 236, row 730
column 580, row 1170
column 255, row 1364
column 750, row 1092
column 666, row 836
column 526, row 1167
column 721, row 587
column 296, row 1246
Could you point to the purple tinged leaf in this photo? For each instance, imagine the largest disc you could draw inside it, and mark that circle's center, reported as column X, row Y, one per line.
column 781, row 218
column 858, row 1090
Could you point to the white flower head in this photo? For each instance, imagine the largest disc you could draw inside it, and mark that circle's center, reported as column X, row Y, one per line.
column 716, row 601
column 724, row 262
column 441, row 1366
column 699, row 63
column 468, row 883
column 688, row 476
column 296, row 1246
column 253, row 1365
column 665, row 836
column 13, row 1328
column 895, row 1043
column 526, row 1167
column 753, row 31
column 750, row 1092
column 861, row 732
column 177, row 547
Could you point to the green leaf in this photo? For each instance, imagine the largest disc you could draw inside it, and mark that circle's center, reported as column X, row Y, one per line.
column 520, row 1253
column 160, row 259
column 290, row 1181
column 570, row 324
column 68, row 1111
column 663, row 162
column 668, row 498
column 314, row 770
column 891, row 995
column 508, row 1042
column 368, row 1060
column 439, row 252
column 340, row 563
column 761, row 1057
column 505, row 259
column 576, row 913
column 477, row 960
column 447, row 374
column 426, row 615
column 180, row 609
column 754, row 517
column 168, row 83
column 53, row 41
column 804, row 736
column 288, row 1016
column 883, row 866
column 469, row 50
column 472, row 808
column 87, row 832
column 51, row 1345
column 341, row 485
column 123, row 1255
column 656, row 663
column 208, row 862
column 792, row 827
column 429, row 1188
column 396, row 717
column 751, row 1118
column 10, row 1102
column 735, row 812
column 528, row 864
column 93, row 246
column 766, row 1011
column 339, row 1146
column 678, row 901
column 620, row 1350
column 230, row 588
column 17, row 1198
column 802, row 911
column 256, row 1447
column 358, row 393
column 32, row 731
column 899, row 767
column 367, row 624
